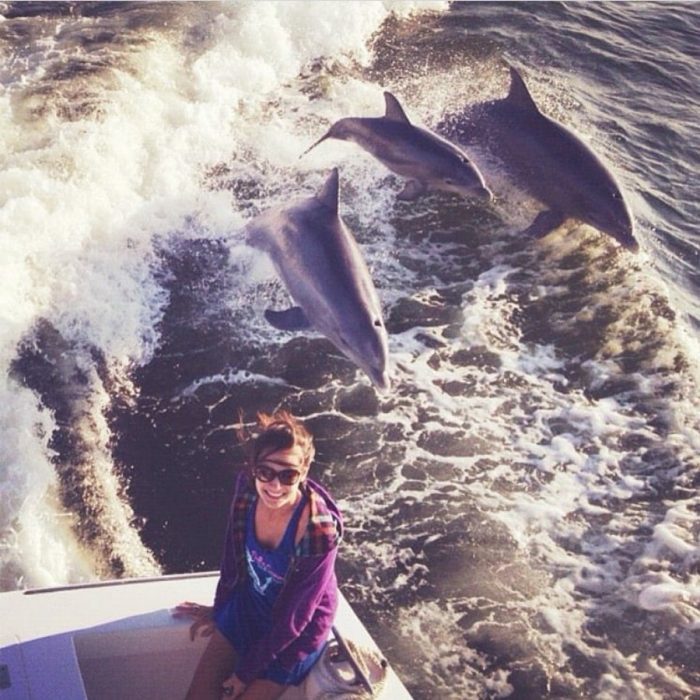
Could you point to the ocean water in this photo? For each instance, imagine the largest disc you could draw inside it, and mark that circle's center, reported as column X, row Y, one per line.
column 522, row 507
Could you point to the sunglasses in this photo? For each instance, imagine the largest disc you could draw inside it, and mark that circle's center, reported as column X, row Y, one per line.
column 286, row 477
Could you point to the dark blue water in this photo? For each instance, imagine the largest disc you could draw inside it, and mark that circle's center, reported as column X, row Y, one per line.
column 522, row 507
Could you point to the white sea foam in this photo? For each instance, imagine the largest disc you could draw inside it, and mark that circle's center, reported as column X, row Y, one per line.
column 36, row 545
column 230, row 378
column 581, row 469
column 451, row 669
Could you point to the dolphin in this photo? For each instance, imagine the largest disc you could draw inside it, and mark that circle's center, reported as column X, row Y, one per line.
column 325, row 274
column 548, row 161
column 428, row 161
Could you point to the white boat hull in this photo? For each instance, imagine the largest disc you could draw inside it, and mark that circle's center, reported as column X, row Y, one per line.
column 117, row 640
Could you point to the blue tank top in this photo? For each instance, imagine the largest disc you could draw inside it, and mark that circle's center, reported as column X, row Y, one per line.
column 267, row 568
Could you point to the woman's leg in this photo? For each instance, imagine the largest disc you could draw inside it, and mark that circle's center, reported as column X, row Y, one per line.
column 262, row 689
column 214, row 667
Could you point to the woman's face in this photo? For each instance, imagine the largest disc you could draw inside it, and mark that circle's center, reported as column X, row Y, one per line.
column 275, row 494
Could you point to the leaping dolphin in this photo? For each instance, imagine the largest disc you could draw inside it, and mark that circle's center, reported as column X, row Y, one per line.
column 428, row 161
column 324, row 271
column 548, row 161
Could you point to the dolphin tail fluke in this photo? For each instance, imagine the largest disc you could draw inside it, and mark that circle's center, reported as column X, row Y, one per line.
column 313, row 145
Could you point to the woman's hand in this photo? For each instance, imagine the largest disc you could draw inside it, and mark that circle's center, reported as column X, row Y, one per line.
column 202, row 616
column 233, row 687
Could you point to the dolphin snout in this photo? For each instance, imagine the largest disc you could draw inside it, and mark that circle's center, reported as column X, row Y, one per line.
column 484, row 193
column 327, row 135
column 629, row 242
column 381, row 380
column 624, row 233
column 622, row 230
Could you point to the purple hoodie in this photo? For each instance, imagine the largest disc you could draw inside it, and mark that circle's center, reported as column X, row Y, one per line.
column 305, row 607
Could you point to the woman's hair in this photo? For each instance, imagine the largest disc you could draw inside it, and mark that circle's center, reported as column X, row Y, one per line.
column 280, row 431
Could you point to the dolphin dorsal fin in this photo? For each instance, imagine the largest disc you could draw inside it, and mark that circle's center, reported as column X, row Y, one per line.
column 394, row 110
column 328, row 194
column 518, row 93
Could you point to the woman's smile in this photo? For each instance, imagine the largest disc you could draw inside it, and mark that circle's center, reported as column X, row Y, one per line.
column 273, row 496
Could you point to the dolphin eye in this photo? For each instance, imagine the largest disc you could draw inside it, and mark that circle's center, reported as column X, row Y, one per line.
column 449, row 181
column 378, row 323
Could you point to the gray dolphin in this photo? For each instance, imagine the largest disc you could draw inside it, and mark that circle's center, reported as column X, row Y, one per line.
column 428, row 161
column 324, row 271
column 548, row 161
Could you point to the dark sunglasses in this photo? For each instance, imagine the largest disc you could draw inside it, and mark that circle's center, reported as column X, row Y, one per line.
column 286, row 477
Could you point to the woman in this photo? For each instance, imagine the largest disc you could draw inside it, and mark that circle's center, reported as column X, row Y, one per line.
column 277, row 592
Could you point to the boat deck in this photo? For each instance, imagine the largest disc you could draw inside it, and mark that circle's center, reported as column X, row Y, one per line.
column 117, row 640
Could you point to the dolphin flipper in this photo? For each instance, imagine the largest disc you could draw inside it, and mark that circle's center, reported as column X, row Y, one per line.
column 412, row 190
column 545, row 222
column 293, row 319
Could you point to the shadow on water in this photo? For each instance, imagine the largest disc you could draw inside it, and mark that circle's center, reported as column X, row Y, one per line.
column 72, row 381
